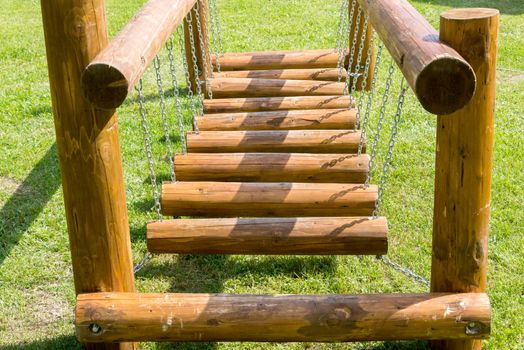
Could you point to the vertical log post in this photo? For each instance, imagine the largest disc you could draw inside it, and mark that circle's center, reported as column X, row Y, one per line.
column 89, row 153
column 203, row 13
column 464, row 165
column 357, row 29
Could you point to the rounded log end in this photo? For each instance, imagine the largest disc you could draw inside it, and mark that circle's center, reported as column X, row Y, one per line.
column 104, row 86
column 445, row 85
column 467, row 14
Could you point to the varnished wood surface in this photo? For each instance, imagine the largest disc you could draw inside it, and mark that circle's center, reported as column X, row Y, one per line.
column 281, row 318
column 308, row 119
column 272, row 167
column 442, row 80
column 302, row 141
column 267, row 199
column 464, row 165
column 274, row 236
column 326, row 74
column 255, row 104
column 247, row 87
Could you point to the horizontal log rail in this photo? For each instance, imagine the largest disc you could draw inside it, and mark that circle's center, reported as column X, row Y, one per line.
column 442, row 80
column 112, row 74
column 109, row 317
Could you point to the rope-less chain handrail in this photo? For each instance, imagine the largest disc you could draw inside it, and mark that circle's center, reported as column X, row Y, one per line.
column 176, row 94
column 196, row 72
column 205, row 56
column 213, row 20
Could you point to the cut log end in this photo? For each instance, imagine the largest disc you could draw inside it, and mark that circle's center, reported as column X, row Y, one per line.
column 104, row 86
column 445, row 85
column 467, row 14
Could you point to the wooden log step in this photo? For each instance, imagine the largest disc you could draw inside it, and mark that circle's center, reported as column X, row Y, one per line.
column 247, row 87
column 255, row 104
column 280, row 120
column 325, row 58
column 327, row 74
column 129, row 317
column 272, row 167
column 266, row 199
column 270, row 236
column 301, row 141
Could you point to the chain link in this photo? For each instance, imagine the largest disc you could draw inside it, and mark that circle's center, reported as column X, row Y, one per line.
column 404, row 270
column 196, row 72
column 145, row 260
column 176, row 95
column 385, row 97
column 163, row 114
column 208, row 66
column 147, row 146
column 213, row 19
column 370, row 99
column 359, row 68
column 391, row 145
column 343, row 27
column 364, row 82
column 349, row 71
column 190, row 94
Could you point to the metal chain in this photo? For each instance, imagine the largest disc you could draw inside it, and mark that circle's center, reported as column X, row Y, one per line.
column 213, row 14
column 404, row 270
column 370, row 99
column 147, row 146
column 196, row 72
column 176, row 95
column 364, row 81
column 163, row 114
column 349, row 72
column 341, row 21
column 391, row 145
column 145, row 260
column 344, row 43
column 218, row 28
column 208, row 66
column 358, row 66
column 385, row 97
column 190, row 94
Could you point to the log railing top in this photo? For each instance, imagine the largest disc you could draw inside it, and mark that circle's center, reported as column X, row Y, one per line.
column 115, row 70
column 442, row 80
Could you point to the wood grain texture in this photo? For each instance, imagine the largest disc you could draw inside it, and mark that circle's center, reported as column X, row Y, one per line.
column 247, row 87
column 464, row 165
column 280, row 318
column 255, row 104
column 326, row 74
column 116, row 69
column 89, row 154
column 301, row 141
column 201, row 44
column 272, row 167
column 263, row 199
column 302, row 119
column 270, row 236
column 306, row 59
column 442, row 80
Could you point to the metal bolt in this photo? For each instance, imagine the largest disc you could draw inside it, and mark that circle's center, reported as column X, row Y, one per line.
column 95, row 328
column 473, row 328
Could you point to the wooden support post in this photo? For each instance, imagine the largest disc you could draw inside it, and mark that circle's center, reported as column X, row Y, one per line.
column 357, row 29
column 464, row 165
column 90, row 162
column 203, row 12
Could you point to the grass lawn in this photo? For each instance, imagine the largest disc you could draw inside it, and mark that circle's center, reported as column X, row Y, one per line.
column 36, row 284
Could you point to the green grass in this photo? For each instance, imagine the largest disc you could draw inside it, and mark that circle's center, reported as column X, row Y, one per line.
column 36, row 288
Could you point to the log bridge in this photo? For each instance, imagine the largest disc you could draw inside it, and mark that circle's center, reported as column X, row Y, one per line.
column 274, row 169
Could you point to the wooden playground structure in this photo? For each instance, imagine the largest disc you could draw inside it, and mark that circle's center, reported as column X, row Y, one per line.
column 277, row 163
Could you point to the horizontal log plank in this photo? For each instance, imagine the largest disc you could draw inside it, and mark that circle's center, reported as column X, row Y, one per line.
column 306, row 119
column 108, row 317
column 264, row 199
column 270, row 236
column 301, row 141
column 114, row 72
column 442, row 80
column 327, row 74
column 324, row 58
column 272, row 167
column 255, row 104
column 247, row 87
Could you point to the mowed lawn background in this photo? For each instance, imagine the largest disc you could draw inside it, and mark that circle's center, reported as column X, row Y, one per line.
column 36, row 287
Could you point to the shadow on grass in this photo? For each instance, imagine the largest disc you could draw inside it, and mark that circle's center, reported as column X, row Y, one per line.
column 58, row 343
column 28, row 201
column 508, row 7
